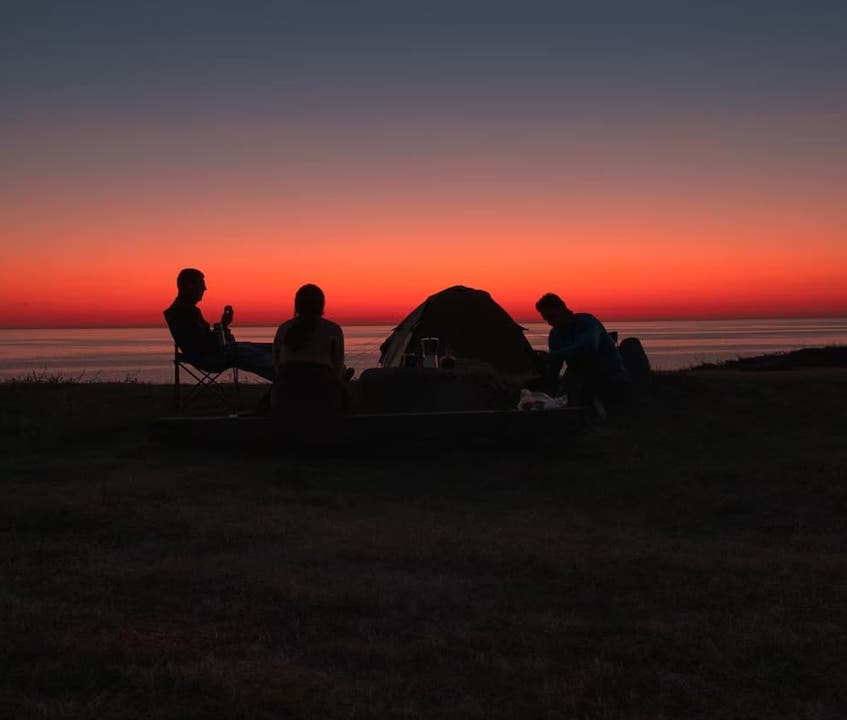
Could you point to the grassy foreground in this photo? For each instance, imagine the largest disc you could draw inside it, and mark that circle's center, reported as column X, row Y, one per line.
column 685, row 559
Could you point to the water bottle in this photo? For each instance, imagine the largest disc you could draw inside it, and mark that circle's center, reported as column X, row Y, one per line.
column 429, row 347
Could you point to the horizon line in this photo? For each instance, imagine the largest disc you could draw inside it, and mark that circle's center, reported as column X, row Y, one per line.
column 536, row 321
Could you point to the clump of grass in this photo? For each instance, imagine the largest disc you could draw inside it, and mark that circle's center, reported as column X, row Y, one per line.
column 51, row 377
column 59, row 377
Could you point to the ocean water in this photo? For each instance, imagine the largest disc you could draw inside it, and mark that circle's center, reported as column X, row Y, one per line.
column 145, row 354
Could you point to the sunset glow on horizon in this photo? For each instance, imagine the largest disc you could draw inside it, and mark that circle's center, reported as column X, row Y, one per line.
column 661, row 165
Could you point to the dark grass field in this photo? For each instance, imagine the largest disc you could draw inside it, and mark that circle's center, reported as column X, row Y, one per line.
column 684, row 559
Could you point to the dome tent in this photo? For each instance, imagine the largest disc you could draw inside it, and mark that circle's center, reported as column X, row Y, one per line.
column 470, row 326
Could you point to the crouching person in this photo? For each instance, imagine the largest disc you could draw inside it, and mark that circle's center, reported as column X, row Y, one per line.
column 595, row 374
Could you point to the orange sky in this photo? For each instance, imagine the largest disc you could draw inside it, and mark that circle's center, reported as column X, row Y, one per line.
column 63, row 275
column 101, row 245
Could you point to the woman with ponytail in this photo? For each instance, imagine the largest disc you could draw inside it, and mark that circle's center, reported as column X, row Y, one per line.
column 308, row 355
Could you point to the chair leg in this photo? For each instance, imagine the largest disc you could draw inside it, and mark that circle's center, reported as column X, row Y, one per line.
column 204, row 381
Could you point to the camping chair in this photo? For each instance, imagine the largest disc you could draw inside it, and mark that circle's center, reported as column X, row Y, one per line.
column 205, row 381
column 206, row 378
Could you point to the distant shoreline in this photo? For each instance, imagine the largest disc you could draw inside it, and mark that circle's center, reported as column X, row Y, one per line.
column 805, row 358
column 521, row 321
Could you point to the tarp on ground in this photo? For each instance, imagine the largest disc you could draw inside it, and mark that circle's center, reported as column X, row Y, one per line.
column 470, row 326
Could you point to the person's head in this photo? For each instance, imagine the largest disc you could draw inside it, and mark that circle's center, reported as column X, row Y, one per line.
column 308, row 308
column 191, row 284
column 553, row 309
column 309, row 301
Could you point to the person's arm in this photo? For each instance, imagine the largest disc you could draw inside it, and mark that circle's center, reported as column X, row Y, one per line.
column 276, row 353
column 553, row 364
column 192, row 333
column 581, row 341
column 223, row 335
column 338, row 353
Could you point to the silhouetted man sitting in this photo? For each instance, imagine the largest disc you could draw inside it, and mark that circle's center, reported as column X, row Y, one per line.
column 595, row 369
column 207, row 348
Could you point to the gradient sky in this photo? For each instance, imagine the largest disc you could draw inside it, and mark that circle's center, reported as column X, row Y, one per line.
column 642, row 159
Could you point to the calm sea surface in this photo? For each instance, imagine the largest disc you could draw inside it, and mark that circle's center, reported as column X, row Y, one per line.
column 144, row 354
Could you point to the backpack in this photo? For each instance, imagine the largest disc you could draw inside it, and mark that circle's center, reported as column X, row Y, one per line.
column 634, row 359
